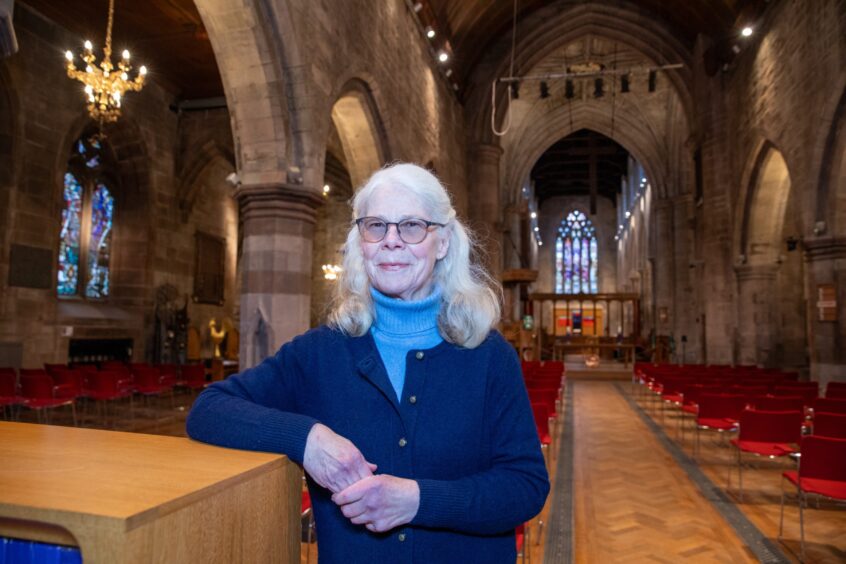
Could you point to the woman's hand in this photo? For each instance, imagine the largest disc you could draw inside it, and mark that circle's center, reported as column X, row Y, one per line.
column 333, row 461
column 380, row 502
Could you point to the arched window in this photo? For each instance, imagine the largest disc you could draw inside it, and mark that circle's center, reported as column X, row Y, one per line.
column 85, row 239
column 576, row 256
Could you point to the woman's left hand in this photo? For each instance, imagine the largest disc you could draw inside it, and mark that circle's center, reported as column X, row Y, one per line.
column 380, row 502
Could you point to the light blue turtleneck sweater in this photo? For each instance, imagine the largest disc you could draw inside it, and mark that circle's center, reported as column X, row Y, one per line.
column 402, row 326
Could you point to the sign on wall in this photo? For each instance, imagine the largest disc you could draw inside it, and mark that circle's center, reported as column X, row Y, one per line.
column 827, row 302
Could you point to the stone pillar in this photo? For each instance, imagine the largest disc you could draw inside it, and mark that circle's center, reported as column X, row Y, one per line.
column 484, row 205
column 684, row 303
column 826, row 264
column 755, row 287
column 277, row 223
column 664, row 254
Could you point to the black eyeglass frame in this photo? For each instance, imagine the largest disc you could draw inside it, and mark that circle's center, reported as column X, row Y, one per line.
column 429, row 224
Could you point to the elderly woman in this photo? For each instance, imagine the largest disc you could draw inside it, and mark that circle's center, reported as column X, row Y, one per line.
column 407, row 411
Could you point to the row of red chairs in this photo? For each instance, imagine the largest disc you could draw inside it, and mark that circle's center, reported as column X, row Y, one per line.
column 770, row 425
column 58, row 385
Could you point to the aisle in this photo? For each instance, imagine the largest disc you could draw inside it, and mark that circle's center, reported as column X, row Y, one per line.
column 632, row 502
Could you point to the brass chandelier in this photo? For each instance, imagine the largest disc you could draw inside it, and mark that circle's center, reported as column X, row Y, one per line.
column 105, row 85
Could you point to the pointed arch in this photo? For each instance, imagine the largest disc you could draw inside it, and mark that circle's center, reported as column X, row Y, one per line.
column 766, row 190
column 358, row 121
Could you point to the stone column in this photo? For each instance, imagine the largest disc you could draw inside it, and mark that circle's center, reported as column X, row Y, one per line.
column 684, row 303
column 755, row 286
column 277, row 223
column 484, row 205
column 664, row 254
column 826, row 264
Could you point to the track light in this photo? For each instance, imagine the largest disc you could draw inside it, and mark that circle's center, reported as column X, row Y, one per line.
column 443, row 56
column 544, row 89
column 747, row 31
column 515, row 90
column 430, row 32
column 569, row 91
column 624, row 83
column 652, row 78
column 597, row 88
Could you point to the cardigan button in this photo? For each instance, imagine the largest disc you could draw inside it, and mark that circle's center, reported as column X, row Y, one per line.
column 419, row 355
column 401, row 537
column 402, row 442
column 412, row 399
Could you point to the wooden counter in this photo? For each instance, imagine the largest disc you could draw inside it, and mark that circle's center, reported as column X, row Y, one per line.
column 128, row 497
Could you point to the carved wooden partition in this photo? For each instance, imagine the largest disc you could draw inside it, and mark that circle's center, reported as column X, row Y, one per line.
column 586, row 323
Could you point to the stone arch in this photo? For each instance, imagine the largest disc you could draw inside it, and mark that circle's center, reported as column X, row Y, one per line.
column 358, row 121
column 539, row 139
column 210, row 155
column 255, row 47
column 765, row 192
column 831, row 195
column 541, row 35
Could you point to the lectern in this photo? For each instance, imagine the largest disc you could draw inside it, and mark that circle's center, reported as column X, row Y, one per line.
column 133, row 498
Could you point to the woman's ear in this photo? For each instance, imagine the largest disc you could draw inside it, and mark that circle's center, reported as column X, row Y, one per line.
column 443, row 247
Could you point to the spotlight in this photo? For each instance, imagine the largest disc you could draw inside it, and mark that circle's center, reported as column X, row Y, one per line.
column 544, row 90
column 534, row 215
column 443, row 56
column 515, row 90
column 628, row 214
column 746, row 31
column 624, row 83
column 652, row 78
column 430, row 32
column 597, row 88
column 448, row 73
column 569, row 90
column 417, row 7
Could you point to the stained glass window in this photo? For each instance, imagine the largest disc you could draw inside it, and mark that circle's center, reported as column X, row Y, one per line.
column 85, row 239
column 576, row 256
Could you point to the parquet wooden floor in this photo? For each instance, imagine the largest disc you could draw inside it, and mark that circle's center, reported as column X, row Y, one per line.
column 633, row 503
column 825, row 527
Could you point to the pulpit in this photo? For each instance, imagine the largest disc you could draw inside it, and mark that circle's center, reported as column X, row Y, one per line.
column 126, row 497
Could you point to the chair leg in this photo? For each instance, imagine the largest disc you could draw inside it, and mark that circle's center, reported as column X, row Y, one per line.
column 802, row 501
column 740, row 473
column 781, row 513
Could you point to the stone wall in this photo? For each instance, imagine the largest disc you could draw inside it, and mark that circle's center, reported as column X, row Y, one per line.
column 153, row 235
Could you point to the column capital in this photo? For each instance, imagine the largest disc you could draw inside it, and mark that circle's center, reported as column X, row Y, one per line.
column 278, row 200
column 746, row 272
column 487, row 151
column 824, row 248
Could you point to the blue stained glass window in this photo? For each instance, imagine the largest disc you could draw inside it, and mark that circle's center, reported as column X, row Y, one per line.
column 69, row 237
column 99, row 244
column 576, row 256
column 85, row 239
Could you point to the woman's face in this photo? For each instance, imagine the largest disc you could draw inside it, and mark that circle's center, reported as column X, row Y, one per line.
column 396, row 268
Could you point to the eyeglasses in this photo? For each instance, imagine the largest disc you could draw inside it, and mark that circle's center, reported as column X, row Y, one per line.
column 411, row 231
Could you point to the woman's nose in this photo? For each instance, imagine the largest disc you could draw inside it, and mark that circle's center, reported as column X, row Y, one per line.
column 392, row 237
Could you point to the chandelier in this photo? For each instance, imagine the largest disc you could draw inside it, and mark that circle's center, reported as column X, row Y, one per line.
column 104, row 85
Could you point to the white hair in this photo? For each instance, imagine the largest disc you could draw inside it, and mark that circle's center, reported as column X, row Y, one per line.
column 470, row 297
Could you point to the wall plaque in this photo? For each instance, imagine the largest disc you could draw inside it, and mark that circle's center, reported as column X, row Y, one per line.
column 827, row 302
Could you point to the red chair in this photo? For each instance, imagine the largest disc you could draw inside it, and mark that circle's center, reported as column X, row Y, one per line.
column 41, row 394
column 107, row 387
column 71, row 380
column 541, row 413
column 835, row 390
column 822, row 471
column 148, row 381
column 829, row 405
column 9, row 396
column 765, row 433
column 307, row 514
column 718, row 412
column 521, row 537
column 777, row 403
column 831, row 425
column 194, row 376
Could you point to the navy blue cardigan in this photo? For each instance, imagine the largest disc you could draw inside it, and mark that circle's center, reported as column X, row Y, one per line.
column 469, row 439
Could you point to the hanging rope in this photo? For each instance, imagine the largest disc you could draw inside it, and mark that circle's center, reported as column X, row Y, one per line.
column 508, row 89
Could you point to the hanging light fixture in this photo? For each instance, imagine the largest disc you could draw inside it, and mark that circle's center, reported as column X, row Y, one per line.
column 105, row 85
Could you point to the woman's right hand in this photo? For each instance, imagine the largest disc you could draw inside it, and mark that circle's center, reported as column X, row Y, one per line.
column 333, row 461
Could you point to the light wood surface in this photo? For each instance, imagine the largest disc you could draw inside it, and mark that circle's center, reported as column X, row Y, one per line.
column 128, row 497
